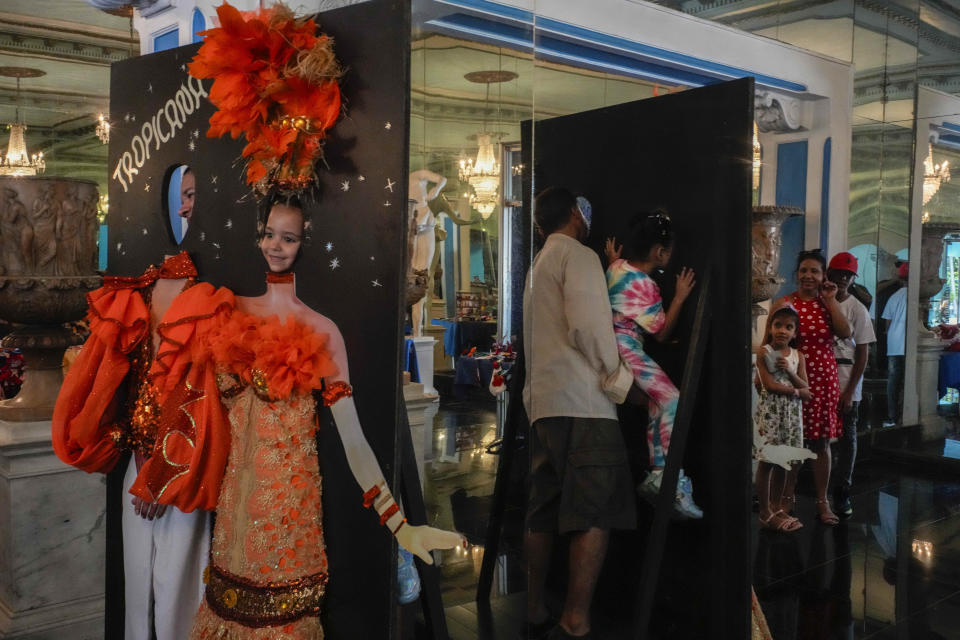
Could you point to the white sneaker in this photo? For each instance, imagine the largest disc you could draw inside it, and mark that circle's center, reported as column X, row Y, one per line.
column 683, row 504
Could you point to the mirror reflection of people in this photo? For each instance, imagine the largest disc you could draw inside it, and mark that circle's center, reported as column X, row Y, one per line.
column 638, row 315
column 424, row 241
column 851, row 354
column 268, row 543
column 778, row 419
column 574, row 380
column 821, row 318
column 894, row 317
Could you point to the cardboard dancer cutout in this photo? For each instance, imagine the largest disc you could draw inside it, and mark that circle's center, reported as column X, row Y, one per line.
column 105, row 409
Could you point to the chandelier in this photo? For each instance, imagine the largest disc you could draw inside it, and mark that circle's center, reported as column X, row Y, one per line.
column 18, row 161
column 483, row 174
column 934, row 175
column 103, row 129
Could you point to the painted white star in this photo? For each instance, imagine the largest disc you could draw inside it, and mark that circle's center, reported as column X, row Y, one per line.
column 372, row 258
column 119, row 246
column 196, row 133
column 144, row 231
column 203, row 236
column 390, row 184
column 126, row 117
column 192, row 146
column 216, row 245
column 133, row 117
column 386, row 203
column 345, row 185
column 361, row 178
column 213, row 179
column 146, row 187
column 335, row 263
column 376, row 283
column 183, row 67
column 308, row 225
column 387, row 126
column 228, row 224
column 328, row 246
column 149, row 87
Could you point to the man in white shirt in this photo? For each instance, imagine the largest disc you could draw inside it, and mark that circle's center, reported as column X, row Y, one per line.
column 895, row 317
column 580, row 482
column 851, row 354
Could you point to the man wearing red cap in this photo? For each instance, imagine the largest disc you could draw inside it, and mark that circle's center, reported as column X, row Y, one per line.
column 851, row 354
column 895, row 316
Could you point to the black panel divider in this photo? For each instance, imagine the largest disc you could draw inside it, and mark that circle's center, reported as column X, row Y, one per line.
column 416, row 513
column 657, row 538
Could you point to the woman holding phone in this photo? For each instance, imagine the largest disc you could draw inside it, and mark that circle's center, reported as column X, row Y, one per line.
column 820, row 320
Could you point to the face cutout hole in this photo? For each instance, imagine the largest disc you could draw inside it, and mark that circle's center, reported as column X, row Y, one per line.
column 179, row 200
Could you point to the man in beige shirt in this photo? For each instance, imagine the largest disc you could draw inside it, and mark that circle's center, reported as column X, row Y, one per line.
column 580, row 482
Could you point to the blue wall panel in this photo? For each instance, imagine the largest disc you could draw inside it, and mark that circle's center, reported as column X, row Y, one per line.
column 791, row 191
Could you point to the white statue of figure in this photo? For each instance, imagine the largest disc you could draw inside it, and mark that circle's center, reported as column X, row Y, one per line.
column 424, row 243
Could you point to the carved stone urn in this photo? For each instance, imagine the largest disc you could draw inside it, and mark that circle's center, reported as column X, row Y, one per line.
column 765, row 247
column 48, row 254
column 931, row 255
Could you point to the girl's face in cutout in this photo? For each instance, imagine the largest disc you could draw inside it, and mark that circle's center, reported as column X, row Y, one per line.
column 782, row 331
column 282, row 237
column 810, row 276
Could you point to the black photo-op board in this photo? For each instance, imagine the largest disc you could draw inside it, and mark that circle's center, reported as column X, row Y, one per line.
column 351, row 267
column 689, row 153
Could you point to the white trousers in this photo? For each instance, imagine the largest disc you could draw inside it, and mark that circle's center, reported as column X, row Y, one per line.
column 163, row 563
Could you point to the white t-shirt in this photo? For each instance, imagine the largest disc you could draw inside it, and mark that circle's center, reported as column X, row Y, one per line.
column 896, row 313
column 861, row 332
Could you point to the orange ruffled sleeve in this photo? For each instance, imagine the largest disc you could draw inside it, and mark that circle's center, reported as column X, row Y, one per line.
column 119, row 319
column 193, row 438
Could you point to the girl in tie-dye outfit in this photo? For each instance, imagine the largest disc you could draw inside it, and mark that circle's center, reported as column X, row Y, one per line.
column 638, row 314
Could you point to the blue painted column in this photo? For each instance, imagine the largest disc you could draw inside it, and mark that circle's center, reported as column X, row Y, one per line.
column 791, row 191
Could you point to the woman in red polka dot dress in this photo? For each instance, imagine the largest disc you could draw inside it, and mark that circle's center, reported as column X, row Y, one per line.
column 820, row 319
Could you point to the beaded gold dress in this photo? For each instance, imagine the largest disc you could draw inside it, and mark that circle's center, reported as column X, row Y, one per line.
column 268, row 565
column 238, row 435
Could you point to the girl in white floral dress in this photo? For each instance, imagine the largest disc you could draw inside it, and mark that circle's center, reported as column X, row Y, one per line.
column 778, row 420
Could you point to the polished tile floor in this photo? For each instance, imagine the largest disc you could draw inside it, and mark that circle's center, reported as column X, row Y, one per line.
column 891, row 571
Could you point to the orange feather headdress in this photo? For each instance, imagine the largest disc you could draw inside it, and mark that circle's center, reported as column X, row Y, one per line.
column 275, row 81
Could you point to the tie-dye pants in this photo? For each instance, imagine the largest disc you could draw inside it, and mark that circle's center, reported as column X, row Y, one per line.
column 659, row 388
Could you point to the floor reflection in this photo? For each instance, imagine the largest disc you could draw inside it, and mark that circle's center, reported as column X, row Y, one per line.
column 459, row 476
column 891, row 571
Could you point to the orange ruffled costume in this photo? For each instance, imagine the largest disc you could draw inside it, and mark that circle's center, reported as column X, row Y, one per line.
column 86, row 418
column 193, row 438
column 237, row 434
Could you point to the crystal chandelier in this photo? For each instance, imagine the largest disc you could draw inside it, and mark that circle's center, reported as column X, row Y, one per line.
column 17, row 161
column 934, row 175
column 103, row 129
column 483, row 175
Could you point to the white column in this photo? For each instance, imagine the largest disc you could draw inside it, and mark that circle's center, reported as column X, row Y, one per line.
column 424, row 348
column 52, row 528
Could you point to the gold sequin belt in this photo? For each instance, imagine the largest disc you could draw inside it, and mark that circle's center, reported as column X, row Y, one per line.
column 263, row 605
